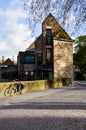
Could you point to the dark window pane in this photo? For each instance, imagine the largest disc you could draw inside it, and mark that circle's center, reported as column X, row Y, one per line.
column 48, row 32
column 48, row 40
column 30, row 59
column 48, row 36
column 49, row 55
column 46, row 75
column 39, row 58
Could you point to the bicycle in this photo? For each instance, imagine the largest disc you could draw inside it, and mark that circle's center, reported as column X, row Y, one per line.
column 13, row 89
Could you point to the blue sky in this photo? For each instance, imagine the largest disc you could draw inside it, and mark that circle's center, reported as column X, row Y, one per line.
column 13, row 29
column 4, row 3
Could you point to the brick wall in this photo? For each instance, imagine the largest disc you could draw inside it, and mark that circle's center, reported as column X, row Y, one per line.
column 38, row 47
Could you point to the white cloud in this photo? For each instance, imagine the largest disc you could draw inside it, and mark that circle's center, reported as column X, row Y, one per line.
column 15, row 30
column 70, row 18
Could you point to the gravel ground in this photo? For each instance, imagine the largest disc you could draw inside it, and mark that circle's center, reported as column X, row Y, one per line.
column 54, row 109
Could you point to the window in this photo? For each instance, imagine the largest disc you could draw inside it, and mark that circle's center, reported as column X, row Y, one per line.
column 48, row 75
column 39, row 58
column 48, row 40
column 48, row 36
column 48, row 32
column 29, row 59
column 49, row 55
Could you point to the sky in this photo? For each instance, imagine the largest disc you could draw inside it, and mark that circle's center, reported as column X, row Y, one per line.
column 15, row 35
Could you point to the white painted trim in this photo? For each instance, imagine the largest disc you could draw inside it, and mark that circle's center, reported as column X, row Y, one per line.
column 48, row 27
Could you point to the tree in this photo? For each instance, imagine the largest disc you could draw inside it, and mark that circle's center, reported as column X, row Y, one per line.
column 80, row 49
column 70, row 13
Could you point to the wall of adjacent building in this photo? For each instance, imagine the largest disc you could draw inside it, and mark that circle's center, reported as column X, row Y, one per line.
column 63, row 59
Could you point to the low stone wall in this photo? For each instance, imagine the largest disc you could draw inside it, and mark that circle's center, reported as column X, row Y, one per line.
column 36, row 85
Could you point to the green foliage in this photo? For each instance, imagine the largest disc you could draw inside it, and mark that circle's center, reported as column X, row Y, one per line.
column 80, row 49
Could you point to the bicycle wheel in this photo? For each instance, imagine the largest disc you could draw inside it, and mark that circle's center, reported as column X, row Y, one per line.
column 13, row 91
column 7, row 92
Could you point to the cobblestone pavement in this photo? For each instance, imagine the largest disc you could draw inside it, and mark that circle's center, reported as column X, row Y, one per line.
column 54, row 109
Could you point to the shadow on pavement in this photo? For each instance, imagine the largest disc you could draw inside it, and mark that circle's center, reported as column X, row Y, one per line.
column 46, row 105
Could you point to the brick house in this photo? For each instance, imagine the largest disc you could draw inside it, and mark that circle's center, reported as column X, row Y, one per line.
column 50, row 56
column 8, row 70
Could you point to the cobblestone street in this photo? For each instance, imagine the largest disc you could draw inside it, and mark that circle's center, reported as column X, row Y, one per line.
column 54, row 109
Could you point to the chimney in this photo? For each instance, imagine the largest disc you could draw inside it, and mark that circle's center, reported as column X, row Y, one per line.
column 2, row 59
column 13, row 59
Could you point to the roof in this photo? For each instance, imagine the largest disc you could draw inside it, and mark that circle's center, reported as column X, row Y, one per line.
column 39, row 37
column 62, row 34
column 8, row 62
column 31, row 47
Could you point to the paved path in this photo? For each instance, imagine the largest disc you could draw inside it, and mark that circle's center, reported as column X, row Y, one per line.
column 54, row 109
